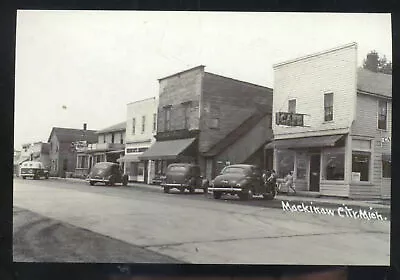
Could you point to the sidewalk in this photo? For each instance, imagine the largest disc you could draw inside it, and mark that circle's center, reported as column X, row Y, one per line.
column 300, row 196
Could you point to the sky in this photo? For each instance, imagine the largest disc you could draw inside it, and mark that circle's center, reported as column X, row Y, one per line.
column 75, row 67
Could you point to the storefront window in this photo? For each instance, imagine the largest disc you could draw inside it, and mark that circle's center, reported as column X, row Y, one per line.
column 360, row 165
column 386, row 167
column 333, row 165
column 301, row 166
column 285, row 162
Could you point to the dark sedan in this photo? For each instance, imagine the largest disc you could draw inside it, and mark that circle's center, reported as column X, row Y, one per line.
column 243, row 180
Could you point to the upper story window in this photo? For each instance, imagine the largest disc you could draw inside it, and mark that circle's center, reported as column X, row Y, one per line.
column 292, row 106
column 186, row 110
column 167, row 118
column 382, row 114
column 133, row 126
column 328, row 107
column 143, row 123
column 154, row 122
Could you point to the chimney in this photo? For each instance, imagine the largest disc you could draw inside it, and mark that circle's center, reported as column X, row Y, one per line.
column 84, row 126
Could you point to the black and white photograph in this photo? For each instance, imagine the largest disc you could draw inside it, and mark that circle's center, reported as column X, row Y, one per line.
column 202, row 137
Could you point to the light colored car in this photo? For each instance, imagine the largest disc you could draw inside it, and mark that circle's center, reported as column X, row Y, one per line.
column 34, row 170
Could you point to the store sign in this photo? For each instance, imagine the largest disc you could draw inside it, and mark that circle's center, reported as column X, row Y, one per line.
column 289, row 119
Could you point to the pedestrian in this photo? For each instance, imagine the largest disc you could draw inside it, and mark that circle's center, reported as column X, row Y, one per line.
column 289, row 183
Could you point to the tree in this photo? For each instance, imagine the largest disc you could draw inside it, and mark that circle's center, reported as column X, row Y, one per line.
column 375, row 63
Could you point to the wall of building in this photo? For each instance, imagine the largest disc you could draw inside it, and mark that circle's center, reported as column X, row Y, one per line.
column 366, row 126
column 178, row 89
column 306, row 80
column 53, row 155
column 231, row 102
column 137, row 110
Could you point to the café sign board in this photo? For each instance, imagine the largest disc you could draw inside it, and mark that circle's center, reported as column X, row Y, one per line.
column 289, row 119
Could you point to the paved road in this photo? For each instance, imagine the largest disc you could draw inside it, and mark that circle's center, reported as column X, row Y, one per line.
column 193, row 228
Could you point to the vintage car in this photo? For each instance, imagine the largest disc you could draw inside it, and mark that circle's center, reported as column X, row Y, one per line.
column 183, row 176
column 243, row 180
column 33, row 169
column 108, row 173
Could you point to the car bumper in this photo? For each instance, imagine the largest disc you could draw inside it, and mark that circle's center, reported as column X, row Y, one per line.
column 27, row 174
column 227, row 190
column 174, row 185
column 97, row 180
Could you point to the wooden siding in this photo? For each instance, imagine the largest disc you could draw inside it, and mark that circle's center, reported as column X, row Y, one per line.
column 307, row 80
column 136, row 110
column 365, row 125
column 178, row 89
column 334, row 189
column 232, row 102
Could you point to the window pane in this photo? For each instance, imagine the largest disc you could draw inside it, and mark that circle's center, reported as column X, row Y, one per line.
column 333, row 166
column 360, row 164
column 328, row 99
column 386, row 169
column 285, row 162
column 292, row 106
column 301, row 167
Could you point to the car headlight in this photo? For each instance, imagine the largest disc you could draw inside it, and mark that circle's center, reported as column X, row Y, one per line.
column 241, row 183
column 212, row 183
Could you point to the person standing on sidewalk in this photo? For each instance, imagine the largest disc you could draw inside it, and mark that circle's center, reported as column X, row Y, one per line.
column 289, row 182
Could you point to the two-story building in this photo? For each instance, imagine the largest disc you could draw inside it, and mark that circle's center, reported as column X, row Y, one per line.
column 141, row 126
column 210, row 120
column 109, row 147
column 331, row 123
column 62, row 156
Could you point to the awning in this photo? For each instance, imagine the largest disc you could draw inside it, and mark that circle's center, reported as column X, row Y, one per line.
column 387, row 157
column 167, row 149
column 305, row 142
column 129, row 158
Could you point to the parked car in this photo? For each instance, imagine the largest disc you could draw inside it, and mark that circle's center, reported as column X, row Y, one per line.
column 33, row 169
column 158, row 179
column 243, row 180
column 183, row 176
column 108, row 173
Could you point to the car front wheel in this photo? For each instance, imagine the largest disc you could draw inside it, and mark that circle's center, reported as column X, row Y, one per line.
column 246, row 195
column 166, row 190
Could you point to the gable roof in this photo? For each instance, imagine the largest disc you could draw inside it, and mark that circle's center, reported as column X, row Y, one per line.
column 116, row 127
column 67, row 135
column 374, row 83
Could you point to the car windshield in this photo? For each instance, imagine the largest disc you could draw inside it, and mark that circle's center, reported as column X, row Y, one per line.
column 177, row 169
column 234, row 170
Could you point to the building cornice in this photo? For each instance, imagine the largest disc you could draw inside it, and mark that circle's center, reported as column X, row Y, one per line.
column 353, row 44
column 324, row 132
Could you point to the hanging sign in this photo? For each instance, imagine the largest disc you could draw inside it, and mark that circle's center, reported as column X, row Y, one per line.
column 289, row 119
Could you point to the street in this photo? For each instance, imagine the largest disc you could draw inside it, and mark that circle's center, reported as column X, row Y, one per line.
column 55, row 220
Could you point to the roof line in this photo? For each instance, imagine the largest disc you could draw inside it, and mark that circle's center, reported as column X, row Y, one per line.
column 373, row 94
column 141, row 100
column 181, row 72
column 314, row 54
column 239, row 80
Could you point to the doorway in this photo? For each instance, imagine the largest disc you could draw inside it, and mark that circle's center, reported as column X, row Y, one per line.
column 315, row 170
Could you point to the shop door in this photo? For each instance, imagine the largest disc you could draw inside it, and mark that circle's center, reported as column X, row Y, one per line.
column 315, row 165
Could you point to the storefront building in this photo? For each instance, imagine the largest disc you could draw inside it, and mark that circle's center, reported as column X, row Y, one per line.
column 141, row 126
column 332, row 125
column 210, row 120
column 110, row 147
